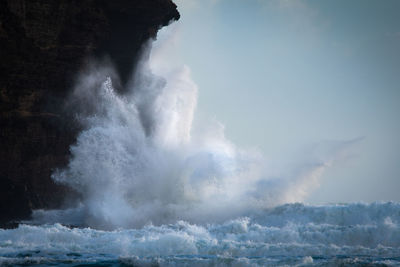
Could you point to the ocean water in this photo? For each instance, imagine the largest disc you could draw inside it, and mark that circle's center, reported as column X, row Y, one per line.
column 292, row 234
column 160, row 187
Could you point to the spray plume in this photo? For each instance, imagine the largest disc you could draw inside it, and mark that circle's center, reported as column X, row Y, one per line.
column 139, row 160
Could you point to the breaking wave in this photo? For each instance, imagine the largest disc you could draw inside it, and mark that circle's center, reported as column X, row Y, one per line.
column 292, row 234
column 140, row 160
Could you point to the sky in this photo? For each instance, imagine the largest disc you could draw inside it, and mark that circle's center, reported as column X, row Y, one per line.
column 285, row 75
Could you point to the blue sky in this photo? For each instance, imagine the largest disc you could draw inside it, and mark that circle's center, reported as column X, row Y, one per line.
column 284, row 75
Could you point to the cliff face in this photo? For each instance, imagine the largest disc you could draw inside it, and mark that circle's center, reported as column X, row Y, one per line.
column 43, row 44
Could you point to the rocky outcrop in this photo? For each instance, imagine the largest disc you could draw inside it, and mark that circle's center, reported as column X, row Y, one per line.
column 43, row 44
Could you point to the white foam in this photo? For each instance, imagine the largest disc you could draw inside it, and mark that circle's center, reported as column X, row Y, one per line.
column 301, row 233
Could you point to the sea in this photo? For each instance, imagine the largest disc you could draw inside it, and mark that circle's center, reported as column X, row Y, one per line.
column 354, row 234
column 158, row 187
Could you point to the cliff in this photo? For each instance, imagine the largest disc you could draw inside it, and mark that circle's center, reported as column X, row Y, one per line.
column 43, row 44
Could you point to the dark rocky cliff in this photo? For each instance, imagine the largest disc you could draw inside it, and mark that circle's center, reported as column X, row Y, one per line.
column 43, row 44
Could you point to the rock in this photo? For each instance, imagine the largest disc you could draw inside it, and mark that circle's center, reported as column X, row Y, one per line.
column 43, row 44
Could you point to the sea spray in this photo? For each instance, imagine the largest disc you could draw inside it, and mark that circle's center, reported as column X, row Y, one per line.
column 138, row 160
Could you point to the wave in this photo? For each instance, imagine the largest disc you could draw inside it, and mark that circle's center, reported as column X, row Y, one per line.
column 287, row 234
column 140, row 159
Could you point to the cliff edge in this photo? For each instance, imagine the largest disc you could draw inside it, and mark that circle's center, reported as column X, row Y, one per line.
column 43, row 44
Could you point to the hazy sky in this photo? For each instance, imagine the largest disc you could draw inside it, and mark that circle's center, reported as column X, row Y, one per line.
column 284, row 75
